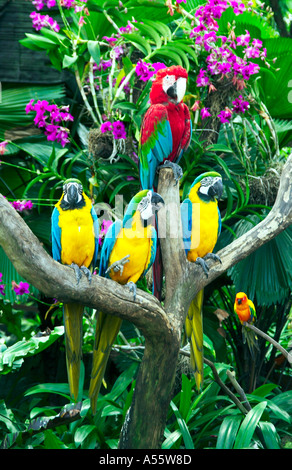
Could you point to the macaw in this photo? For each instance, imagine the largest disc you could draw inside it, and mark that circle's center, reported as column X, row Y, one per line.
column 127, row 253
column 246, row 312
column 201, row 227
column 75, row 232
column 165, row 135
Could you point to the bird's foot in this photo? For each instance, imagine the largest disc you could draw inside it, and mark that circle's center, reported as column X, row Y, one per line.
column 133, row 288
column 77, row 270
column 87, row 273
column 202, row 261
column 213, row 256
column 203, row 264
column 177, row 171
column 118, row 265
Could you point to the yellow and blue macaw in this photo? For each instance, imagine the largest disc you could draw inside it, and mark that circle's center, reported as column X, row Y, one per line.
column 246, row 312
column 128, row 251
column 75, row 232
column 201, row 226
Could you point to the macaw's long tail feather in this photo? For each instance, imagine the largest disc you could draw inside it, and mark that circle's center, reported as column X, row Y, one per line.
column 107, row 328
column 73, row 314
column 250, row 338
column 157, row 268
column 194, row 332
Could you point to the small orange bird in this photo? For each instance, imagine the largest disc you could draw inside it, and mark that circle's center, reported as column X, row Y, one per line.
column 245, row 310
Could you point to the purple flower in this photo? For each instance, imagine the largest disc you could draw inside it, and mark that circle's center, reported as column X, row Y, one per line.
column 106, row 126
column 158, row 66
column 142, row 70
column 21, row 205
column 119, row 131
column 3, row 147
column 21, row 288
column 239, row 105
column 205, row 113
column 243, row 39
column 43, row 21
column 224, row 68
column 110, row 40
column 2, row 289
column 225, row 115
column 202, row 80
column 104, row 228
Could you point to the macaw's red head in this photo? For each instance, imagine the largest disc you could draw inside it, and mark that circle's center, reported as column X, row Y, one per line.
column 241, row 299
column 169, row 85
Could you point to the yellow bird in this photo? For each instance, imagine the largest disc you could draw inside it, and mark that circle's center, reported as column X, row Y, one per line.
column 75, row 232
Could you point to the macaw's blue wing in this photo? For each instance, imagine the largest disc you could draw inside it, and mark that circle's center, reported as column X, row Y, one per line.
column 219, row 222
column 56, row 235
column 155, row 144
column 107, row 246
column 186, row 219
column 153, row 250
column 96, row 236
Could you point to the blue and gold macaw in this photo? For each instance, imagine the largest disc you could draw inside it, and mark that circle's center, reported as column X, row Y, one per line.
column 128, row 251
column 75, row 232
column 201, row 226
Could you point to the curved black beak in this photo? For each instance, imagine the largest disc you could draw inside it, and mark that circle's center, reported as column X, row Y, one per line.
column 216, row 190
column 157, row 201
column 239, row 301
column 172, row 91
column 72, row 194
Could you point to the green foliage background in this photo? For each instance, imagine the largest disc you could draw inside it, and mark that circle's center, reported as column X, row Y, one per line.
column 249, row 153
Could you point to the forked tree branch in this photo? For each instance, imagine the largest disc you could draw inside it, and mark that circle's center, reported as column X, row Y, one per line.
column 161, row 327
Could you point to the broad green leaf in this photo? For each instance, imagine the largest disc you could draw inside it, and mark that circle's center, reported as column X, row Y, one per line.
column 68, row 61
column 82, row 433
column 228, row 431
column 150, row 32
column 41, row 41
column 52, row 441
column 185, row 397
column 270, row 434
column 138, row 42
column 183, row 428
column 248, row 426
column 94, row 50
column 58, row 389
column 171, row 439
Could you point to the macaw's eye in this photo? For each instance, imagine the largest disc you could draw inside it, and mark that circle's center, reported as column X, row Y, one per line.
column 80, row 189
column 64, row 188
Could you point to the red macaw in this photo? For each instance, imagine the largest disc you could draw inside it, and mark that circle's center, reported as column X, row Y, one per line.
column 246, row 312
column 165, row 135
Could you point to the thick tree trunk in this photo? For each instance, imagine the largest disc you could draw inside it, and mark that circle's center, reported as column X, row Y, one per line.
column 161, row 327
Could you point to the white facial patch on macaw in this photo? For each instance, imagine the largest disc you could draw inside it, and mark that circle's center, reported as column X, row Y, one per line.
column 205, row 185
column 167, row 82
column 181, row 86
column 79, row 191
column 145, row 206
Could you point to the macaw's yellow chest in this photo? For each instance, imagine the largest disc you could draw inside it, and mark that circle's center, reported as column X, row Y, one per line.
column 77, row 236
column 136, row 242
column 205, row 224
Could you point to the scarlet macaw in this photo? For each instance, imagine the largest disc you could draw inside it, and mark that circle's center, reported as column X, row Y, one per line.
column 165, row 135
column 201, row 226
column 128, row 251
column 75, row 243
column 246, row 312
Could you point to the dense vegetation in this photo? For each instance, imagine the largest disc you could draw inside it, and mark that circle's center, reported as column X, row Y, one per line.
column 238, row 60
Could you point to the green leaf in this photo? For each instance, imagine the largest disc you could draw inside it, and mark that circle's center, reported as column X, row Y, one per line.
column 270, row 434
column 94, row 50
column 248, row 426
column 227, row 432
column 150, row 32
column 139, row 42
column 52, row 441
column 40, row 41
column 68, row 61
column 82, row 433
column 58, row 389
column 183, row 427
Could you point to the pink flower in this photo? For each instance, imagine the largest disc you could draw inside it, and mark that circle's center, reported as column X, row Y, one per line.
column 104, row 228
column 2, row 289
column 106, row 126
column 243, row 39
column 110, row 40
column 196, row 105
column 21, row 288
column 3, row 147
column 239, row 105
column 119, row 131
column 205, row 113
column 225, row 115
column 202, row 80
column 142, row 70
